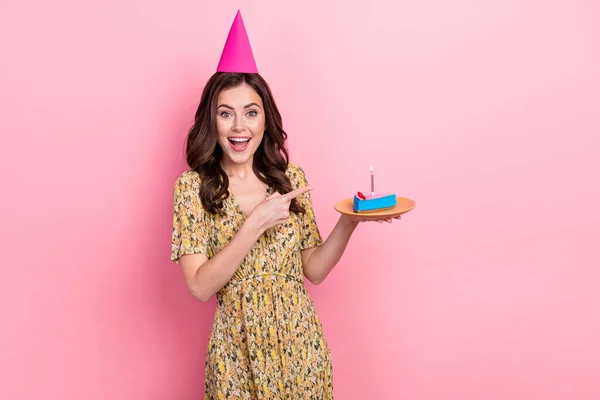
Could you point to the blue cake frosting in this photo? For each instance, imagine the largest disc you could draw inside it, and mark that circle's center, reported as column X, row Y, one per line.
column 372, row 203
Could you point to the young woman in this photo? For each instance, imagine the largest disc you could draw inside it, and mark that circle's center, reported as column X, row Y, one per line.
column 244, row 230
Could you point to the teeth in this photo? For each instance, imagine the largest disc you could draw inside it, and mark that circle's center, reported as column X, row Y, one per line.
column 239, row 140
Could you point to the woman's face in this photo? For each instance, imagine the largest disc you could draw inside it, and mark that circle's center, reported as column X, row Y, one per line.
column 240, row 123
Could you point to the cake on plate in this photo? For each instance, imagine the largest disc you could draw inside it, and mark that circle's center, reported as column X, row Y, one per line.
column 373, row 202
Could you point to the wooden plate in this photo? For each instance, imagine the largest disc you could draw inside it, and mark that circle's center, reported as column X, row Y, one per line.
column 403, row 205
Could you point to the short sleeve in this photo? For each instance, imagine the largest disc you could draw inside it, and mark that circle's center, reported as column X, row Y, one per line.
column 189, row 235
column 309, row 235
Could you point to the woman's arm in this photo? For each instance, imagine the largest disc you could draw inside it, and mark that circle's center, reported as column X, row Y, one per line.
column 205, row 277
column 319, row 261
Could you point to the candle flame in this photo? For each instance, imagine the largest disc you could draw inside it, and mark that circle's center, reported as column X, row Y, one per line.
column 371, row 168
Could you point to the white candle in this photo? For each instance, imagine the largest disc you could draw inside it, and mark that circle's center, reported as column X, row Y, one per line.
column 372, row 182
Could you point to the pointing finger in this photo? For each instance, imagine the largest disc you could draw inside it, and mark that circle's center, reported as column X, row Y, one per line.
column 296, row 192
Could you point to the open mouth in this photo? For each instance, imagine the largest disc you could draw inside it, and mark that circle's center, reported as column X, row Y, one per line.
column 239, row 143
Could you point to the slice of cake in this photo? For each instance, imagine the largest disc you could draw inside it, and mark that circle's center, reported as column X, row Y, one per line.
column 373, row 202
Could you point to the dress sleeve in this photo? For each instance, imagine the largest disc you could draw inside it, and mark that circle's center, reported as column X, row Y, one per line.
column 189, row 235
column 309, row 235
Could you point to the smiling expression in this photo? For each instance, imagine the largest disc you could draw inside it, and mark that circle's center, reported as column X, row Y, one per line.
column 240, row 123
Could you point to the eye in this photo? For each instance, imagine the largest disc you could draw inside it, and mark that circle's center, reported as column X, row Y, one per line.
column 252, row 113
column 225, row 114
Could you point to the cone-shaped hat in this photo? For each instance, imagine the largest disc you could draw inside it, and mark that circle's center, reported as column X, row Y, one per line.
column 237, row 54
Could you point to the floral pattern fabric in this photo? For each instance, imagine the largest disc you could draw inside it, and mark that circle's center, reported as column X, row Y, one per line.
column 267, row 341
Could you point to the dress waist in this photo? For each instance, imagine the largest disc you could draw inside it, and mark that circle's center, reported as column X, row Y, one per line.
column 259, row 277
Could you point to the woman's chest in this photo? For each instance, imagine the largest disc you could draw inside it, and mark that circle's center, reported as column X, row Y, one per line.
column 277, row 243
column 245, row 197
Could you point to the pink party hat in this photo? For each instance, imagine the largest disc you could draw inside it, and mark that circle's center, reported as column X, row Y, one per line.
column 237, row 54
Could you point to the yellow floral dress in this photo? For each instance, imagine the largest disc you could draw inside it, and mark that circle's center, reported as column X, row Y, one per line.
column 266, row 341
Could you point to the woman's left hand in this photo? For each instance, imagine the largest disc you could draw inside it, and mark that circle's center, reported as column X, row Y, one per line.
column 388, row 220
column 364, row 218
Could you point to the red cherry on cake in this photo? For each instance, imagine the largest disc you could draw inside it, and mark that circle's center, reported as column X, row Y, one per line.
column 361, row 196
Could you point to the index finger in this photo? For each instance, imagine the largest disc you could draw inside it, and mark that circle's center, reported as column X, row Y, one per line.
column 296, row 192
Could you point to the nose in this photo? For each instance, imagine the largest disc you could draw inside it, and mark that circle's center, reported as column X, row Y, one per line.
column 237, row 124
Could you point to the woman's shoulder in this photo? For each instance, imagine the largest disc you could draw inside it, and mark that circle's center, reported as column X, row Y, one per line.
column 295, row 173
column 294, row 169
column 189, row 178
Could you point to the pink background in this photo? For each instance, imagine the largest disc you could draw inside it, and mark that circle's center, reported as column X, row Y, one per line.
column 485, row 112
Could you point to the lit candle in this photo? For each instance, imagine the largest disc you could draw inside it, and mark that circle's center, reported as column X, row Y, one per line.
column 372, row 182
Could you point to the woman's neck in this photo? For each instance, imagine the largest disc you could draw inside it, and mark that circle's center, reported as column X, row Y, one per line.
column 240, row 171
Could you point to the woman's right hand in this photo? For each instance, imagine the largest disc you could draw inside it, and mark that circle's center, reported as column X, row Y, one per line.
column 275, row 209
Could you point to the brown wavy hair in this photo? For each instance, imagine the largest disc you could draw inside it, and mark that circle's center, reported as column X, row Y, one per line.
column 204, row 154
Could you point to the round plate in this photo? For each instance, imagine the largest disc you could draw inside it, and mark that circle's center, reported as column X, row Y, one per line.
column 403, row 205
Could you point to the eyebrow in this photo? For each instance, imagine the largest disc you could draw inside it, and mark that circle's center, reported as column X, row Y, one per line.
column 246, row 106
